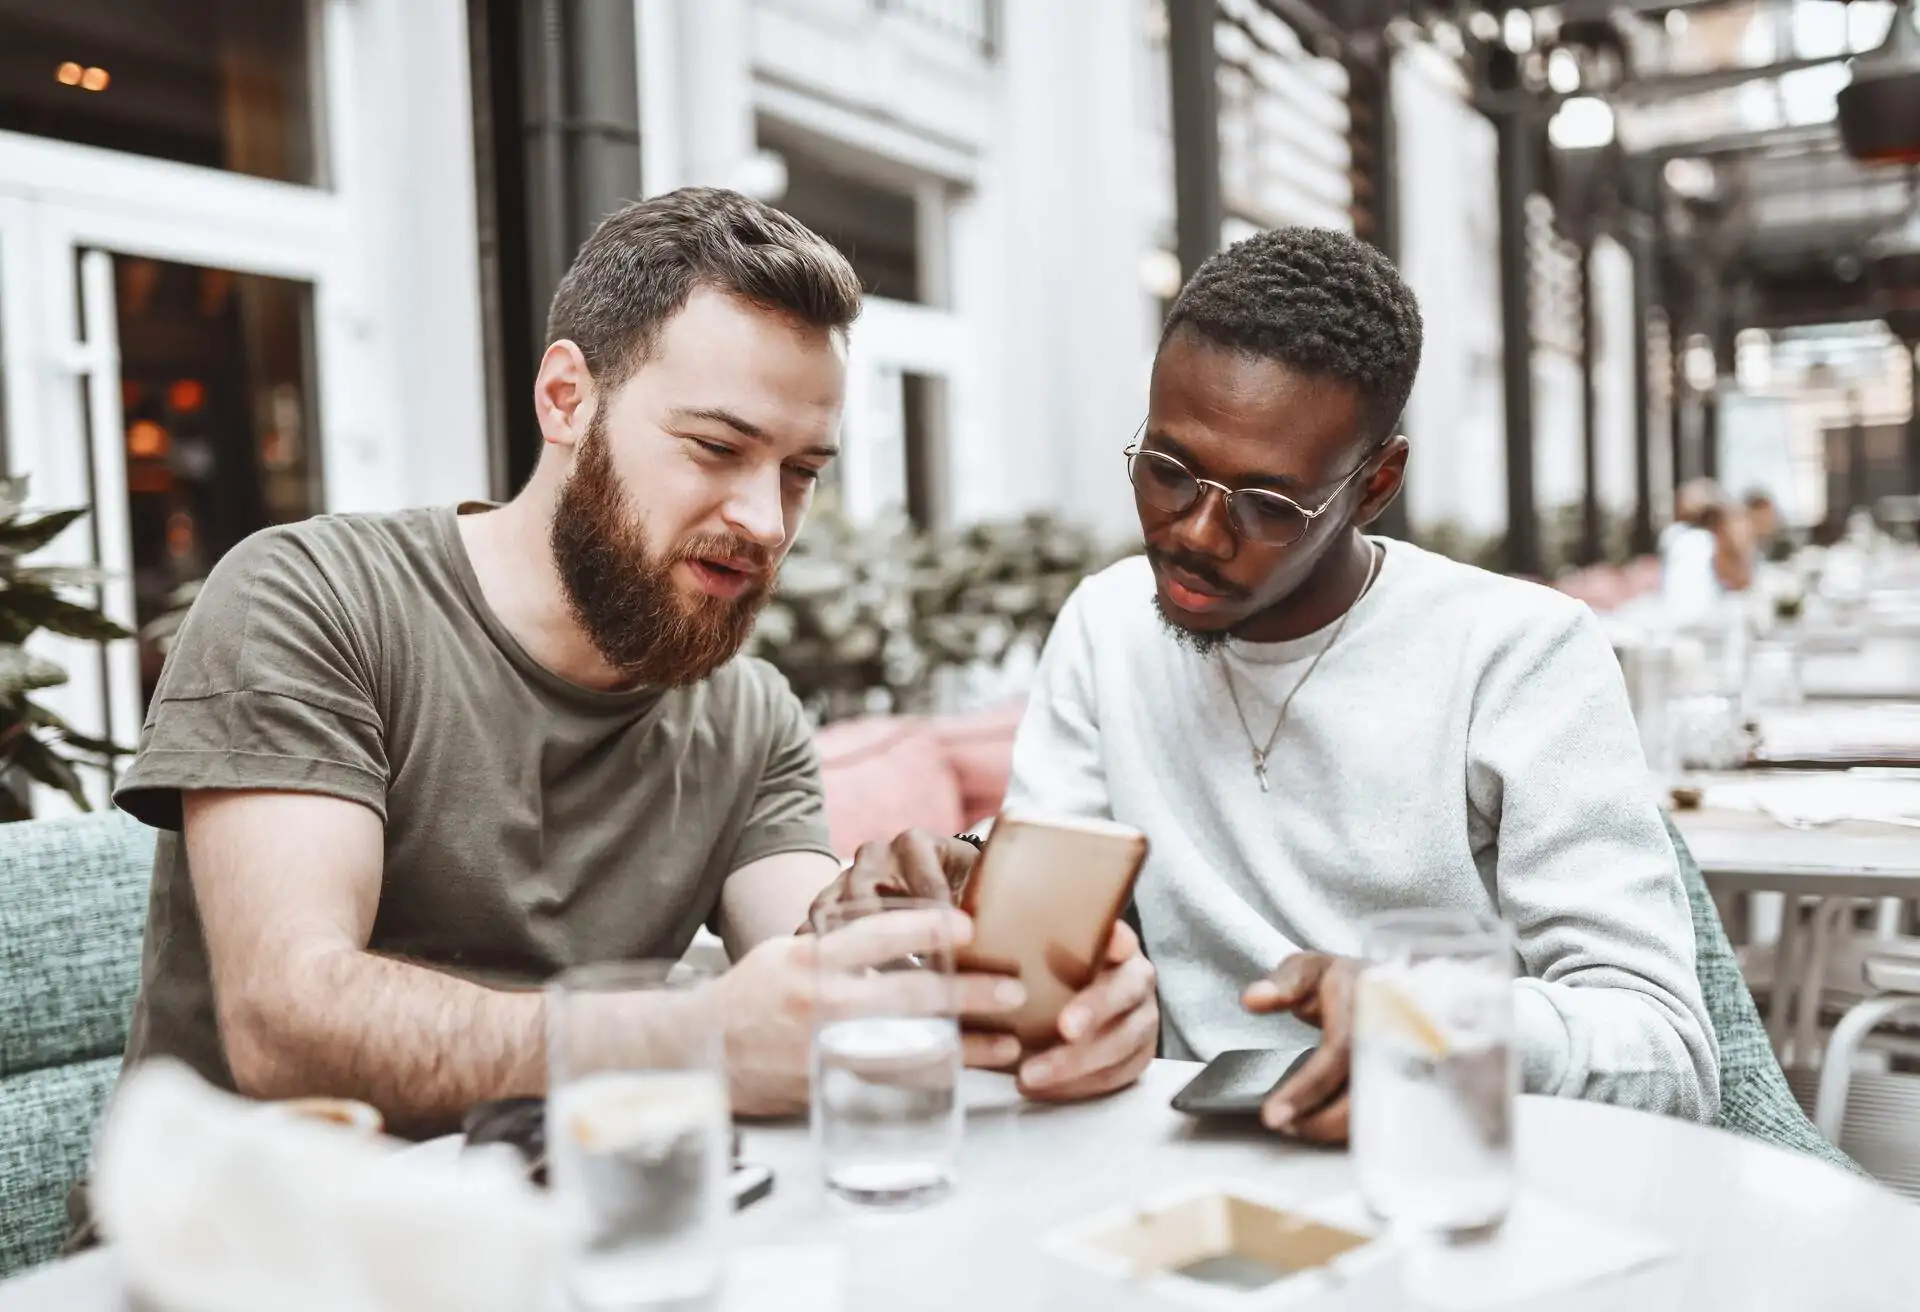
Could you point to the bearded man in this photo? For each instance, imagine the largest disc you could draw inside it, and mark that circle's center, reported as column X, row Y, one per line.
column 408, row 766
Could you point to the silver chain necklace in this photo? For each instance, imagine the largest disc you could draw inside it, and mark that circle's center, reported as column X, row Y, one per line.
column 1260, row 753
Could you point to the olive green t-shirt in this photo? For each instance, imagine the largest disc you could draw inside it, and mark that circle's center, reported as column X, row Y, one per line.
column 531, row 824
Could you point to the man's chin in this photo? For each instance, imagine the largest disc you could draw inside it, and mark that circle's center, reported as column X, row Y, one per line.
column 1204, row 636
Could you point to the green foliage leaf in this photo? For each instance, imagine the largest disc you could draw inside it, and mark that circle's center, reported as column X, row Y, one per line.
column 20, row 536
column 46, row 766
column 41, row 718
column 22, row 671
column 25, row 609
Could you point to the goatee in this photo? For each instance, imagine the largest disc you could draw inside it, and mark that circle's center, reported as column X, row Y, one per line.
column 623, row 594
column 1202, row 642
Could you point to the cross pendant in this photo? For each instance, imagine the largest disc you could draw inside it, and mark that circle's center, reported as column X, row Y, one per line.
column 1260, row 769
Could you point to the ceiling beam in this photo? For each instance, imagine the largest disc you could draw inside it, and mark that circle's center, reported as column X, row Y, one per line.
column 1676, row 86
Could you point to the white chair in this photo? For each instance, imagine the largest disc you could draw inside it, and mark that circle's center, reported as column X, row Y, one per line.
column 1896, row 984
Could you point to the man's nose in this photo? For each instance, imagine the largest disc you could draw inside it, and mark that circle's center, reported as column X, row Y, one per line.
column 756, row 510
column 1203, row 530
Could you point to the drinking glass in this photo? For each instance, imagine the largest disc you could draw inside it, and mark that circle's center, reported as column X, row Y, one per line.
column 1434, row 1075
column 887, row 1115
column 1773, row 677
column 638, row 1134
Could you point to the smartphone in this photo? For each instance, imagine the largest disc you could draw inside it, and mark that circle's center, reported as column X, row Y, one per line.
column 1235, row 1083
column 1044, row 896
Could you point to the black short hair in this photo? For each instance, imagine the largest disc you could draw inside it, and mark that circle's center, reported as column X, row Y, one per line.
column 1319, row 300
column 638, row 268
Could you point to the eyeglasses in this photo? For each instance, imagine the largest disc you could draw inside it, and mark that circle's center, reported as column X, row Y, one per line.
column 1255, row 513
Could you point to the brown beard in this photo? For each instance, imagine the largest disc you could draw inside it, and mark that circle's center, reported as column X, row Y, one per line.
column 624, row 596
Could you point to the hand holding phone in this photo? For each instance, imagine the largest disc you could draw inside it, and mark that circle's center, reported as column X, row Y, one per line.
column 1044, row 896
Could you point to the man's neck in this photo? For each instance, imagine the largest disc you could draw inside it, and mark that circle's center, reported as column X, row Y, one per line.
column 513, row 559
column 1328, row 593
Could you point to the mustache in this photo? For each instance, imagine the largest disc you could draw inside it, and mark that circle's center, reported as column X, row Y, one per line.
column 730, row 547
column 1198, row 568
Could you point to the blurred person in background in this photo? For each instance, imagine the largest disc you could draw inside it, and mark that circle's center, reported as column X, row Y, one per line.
column 1706, row 552
column 1771, row 539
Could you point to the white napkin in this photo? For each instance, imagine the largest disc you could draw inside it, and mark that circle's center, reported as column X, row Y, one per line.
column 1544, row 1248
column 214, row 1206
column 1840, row 731
column 1821, row 799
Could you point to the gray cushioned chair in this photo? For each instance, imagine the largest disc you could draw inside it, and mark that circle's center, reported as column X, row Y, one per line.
column 1754, row 1097
column 73, row 902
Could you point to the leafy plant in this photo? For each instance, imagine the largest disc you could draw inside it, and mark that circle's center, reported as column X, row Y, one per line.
column 35, row 743
column 867, row 615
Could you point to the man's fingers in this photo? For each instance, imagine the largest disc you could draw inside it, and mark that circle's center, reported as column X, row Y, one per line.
column 918, row 993
column 1113, row 993
column 1123, row 944
column 1093, row 1084
column 1059, row 1072
column 1292, row 981
column 890, row 936
column 1314, row 1084
column 908, row 866
column 1328, row 1125
column 989, row 1052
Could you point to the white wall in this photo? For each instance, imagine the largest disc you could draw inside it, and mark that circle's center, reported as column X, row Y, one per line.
column 1455, row 421
column 412, row 181
column 1614, row 346
column 1050, row 206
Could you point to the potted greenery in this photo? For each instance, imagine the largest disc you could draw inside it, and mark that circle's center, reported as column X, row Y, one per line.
column 35, row 744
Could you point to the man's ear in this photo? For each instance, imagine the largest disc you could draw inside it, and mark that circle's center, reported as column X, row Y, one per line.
column 564, row 396
column 1383, row 485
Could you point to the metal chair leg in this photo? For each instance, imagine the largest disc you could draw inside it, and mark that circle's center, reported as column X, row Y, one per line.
column 1830, row 918
column 1836, row 1071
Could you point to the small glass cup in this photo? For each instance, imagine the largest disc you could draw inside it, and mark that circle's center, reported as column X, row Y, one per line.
column 1434, row 1075
column 1773, row 677
column 638, row 1134
column 887, row 1116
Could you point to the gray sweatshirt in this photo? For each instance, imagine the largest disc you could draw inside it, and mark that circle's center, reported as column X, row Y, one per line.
column 1467, row 743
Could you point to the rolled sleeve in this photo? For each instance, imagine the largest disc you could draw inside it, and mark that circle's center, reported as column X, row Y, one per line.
column 788, row 811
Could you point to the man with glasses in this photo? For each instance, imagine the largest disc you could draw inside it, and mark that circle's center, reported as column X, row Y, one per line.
column 1313, row 725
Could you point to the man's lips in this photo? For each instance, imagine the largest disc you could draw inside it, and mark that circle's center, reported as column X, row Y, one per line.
column 726, row 577
column 1189, row 591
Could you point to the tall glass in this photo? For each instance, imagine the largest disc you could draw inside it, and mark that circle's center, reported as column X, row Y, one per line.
column 638, row 1134
column 887, row 1116
column 1434, row 1075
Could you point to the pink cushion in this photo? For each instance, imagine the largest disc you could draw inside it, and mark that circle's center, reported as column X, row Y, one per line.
column 980, row 749
column 884, row 774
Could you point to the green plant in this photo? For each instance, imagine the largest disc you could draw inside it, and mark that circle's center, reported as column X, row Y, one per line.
column 34, row 742
column 867, row 615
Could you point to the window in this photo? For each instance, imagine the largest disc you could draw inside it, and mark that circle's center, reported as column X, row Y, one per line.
column 875, row 225
column 219, row 440
column 222, row 83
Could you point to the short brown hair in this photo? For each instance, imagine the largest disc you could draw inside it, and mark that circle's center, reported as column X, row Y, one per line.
column 638, row 268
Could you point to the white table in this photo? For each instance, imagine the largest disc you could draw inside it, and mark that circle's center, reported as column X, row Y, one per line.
column 1753, row 1227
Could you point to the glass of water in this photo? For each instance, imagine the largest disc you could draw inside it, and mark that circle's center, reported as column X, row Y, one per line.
column 1434, row 1074
column 638, row 1134
column 887, row 1115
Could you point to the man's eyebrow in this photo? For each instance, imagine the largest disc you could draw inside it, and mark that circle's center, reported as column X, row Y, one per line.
column 746, row 428
column 1278, row 482
column 716, row 415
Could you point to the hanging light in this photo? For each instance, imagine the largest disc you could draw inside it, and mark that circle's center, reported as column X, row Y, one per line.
column 1879, row 110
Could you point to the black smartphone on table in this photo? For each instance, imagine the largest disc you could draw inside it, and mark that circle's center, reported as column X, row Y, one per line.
column 521, row 1123
column 1236, row 1082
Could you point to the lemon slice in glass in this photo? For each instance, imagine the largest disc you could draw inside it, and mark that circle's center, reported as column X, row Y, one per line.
column 1386, row 1012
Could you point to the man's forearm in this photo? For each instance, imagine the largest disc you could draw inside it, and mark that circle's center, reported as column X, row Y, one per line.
column 420, row 1045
